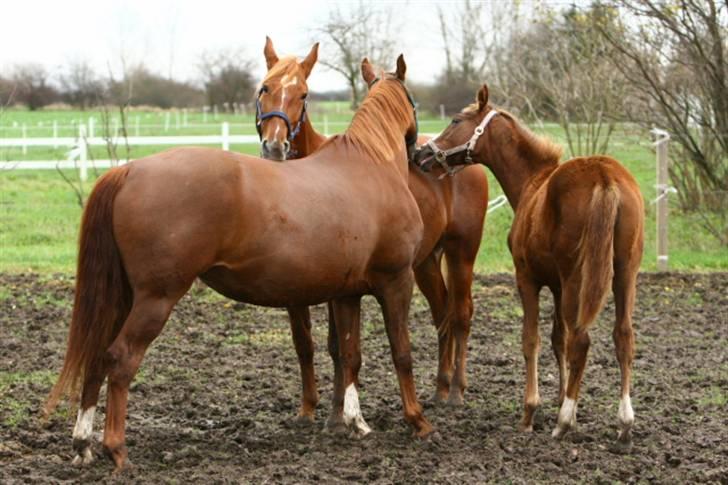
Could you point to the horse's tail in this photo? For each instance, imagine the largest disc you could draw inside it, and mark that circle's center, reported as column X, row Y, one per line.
column 103, row 295
column 596, row 253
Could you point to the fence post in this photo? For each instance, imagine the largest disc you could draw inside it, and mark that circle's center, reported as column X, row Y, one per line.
column 176, row 119
column 25, row 137
column 166, row 121
column 225, row 136
column 136, row 125
column 184, row 117
column 442, row 111
column 91, row 123
column 82, row 152
column 204, row 114
column 55, row 133
column 661, row 202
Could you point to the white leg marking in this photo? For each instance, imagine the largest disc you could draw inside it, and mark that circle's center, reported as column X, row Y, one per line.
column 352, row 413
column 82, row 431
column 567, row 417
column 84, row 424
column 625, row 415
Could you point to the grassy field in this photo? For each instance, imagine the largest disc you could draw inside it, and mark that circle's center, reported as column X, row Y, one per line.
column 39, row 215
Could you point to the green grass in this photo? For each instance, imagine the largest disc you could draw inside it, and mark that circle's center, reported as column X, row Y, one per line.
column 39, row 216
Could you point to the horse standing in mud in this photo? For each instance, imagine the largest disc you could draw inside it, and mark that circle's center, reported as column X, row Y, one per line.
column 578, row 228
column 332, row 227
column 452, row 208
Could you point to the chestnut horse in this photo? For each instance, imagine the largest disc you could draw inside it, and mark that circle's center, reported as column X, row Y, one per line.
column 452, row 208
column 578, row 228
column 332, row 227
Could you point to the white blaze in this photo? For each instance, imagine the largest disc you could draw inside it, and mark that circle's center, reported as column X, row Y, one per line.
column 352, row 412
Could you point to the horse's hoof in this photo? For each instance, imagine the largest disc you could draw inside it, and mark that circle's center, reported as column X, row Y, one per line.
column 303, row 420
column 455, row 399
column 423, row 429
column 439, row 399
column 525, row 427
column 118, row 455
column 335, row 426
column 83, row 458
column 560, row 430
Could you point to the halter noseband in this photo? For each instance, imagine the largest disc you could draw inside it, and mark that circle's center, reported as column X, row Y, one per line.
column 410, row 141
column 441, row 155
column 260, row 117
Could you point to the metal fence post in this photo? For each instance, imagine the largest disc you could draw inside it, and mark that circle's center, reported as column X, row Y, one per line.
column 661, row 202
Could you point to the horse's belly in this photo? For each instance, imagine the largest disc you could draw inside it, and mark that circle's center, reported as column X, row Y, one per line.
column 276, row 287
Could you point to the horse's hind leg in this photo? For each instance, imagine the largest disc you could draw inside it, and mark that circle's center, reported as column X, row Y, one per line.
column 431, row 284
column 146, row 320
column 624, row 286
column 530, row 344
column 345, row 411
column 460, row 276
column 85, row 420
column 300, row 319
column 577, row 348
column 558, row 343
column 394, row 296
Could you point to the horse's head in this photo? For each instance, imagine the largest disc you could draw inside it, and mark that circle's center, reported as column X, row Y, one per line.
column 281, row 103
column 371, row 79
column 457, row 145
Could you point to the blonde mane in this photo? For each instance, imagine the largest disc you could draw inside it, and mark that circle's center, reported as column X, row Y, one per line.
column 376, row 128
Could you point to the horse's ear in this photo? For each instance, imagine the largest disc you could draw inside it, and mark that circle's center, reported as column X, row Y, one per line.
column 483, row 97
column 401, row 67
column 270, row 54
column 308, row 63
column 367, row 71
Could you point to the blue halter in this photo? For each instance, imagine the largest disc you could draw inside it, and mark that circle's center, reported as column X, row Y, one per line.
column 260, row 117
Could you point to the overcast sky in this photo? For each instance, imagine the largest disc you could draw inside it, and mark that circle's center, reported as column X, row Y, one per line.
column 169, row 35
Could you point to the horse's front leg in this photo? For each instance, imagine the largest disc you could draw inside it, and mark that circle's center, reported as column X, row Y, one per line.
column 300, row 319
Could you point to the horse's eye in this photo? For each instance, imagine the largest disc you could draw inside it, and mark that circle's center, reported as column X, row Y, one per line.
column 304, row 96
column 455, row 121
column 263, row 89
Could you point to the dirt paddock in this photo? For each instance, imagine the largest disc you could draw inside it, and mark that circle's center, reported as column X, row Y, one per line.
column 218, row 389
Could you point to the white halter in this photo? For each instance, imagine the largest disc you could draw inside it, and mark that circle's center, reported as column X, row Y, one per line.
column 441, row 155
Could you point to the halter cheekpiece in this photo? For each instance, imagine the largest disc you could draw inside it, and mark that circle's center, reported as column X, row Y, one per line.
column 441, row 155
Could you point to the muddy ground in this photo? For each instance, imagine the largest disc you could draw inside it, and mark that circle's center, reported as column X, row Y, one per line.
column 217, row 391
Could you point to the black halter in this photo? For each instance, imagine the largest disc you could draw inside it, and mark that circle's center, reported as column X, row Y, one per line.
column 410, row 141
column 260, row 117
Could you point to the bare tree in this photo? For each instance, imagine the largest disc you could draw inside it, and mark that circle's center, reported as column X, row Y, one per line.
column 559, row 68
column 227, row 75
column 362, row 31
column 33, row 86
column 674, row 55
column 80, row 85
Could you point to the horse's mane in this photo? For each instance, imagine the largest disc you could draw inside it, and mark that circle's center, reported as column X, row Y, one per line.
column 376, row 128
column 537, row 147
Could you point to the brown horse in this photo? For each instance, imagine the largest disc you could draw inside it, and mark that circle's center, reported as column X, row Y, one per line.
column 452, row 209
column 578, row 227
column 332, row 227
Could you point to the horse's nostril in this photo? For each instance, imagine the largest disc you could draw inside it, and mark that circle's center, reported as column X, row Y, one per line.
column 286, row 146
column 265, row 145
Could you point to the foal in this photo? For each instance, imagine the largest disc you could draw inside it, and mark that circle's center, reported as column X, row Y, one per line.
column 578, row 228
column 452, row 208
column 333, row 227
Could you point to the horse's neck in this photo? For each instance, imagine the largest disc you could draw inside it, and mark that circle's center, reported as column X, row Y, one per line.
column 308, row 140
column 515, row 172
